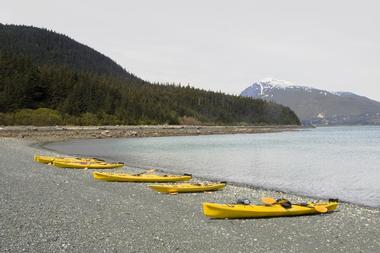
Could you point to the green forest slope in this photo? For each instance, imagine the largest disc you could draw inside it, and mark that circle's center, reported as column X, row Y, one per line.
column 47, row 78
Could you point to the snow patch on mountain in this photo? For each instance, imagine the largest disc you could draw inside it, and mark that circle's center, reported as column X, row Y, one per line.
column 264, row 87
column 343, row 93
column 276, row 82
column 270, row 83
column 261, row 89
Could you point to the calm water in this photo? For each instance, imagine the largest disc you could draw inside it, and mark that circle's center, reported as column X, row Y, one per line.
column 342, row 162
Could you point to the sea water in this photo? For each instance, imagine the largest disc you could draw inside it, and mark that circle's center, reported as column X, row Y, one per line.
column 327, row 162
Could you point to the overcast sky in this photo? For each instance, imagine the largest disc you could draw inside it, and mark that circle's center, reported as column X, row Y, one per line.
column 224, row 45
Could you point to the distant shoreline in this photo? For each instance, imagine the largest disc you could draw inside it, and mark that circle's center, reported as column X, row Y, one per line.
column 59, row 133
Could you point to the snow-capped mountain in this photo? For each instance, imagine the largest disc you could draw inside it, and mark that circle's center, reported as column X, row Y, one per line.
column 315, row 106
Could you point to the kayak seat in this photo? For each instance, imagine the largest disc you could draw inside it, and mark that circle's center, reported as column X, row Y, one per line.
column 243, row 201
column 284, row 203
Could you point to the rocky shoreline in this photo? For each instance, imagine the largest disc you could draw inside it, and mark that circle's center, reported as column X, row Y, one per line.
column 88, row 132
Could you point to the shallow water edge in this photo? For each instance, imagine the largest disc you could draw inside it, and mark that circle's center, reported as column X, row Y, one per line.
column 186, row 153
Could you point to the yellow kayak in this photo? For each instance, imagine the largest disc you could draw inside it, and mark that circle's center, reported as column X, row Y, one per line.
column 86, row 164
column 46, row 159
column 124, row 177
column 51, row 159
column 186, row 187
column 233, row 211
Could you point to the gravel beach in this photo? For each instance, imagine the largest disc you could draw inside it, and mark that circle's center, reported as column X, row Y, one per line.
column 45, row 209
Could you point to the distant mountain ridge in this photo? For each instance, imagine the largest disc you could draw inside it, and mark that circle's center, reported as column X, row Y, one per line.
column 315, row 106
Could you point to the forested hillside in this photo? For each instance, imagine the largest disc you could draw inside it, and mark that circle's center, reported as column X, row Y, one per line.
column 45, row 47
column 43, row 69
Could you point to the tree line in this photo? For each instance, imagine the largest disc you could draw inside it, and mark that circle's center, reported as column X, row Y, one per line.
column 23, row 85
column 46, row 73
